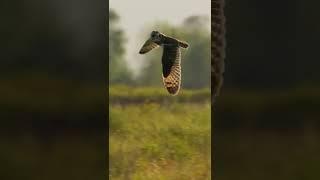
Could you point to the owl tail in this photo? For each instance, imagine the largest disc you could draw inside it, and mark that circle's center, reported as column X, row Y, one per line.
column 183, row 44
column 171, row 84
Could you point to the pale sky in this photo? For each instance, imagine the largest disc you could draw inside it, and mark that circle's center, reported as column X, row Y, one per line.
column 136, row 14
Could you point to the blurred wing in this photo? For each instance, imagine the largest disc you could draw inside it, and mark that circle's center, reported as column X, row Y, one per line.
column 171, row 66
column 217, row 46
column 147, row 46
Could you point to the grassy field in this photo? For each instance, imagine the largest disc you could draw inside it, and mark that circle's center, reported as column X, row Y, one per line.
column 138, row 95
column 153, row 140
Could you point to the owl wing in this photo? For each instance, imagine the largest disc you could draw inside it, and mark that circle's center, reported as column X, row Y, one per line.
column 148, row 46
column 171, row 68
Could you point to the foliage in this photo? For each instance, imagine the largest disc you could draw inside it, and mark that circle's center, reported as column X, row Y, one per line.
column 242, row 109
column 151, row 141
column 125, row 94
column 197, row 62
column 118, row 70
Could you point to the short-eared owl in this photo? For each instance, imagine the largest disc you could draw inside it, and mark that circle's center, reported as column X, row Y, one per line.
column 171, row 58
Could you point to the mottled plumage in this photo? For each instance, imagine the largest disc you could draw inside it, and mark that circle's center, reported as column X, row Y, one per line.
column 171, row 58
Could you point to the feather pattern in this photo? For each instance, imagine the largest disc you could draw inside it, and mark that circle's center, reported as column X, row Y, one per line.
column 148, row 46
column 171, row 59
column 171, row 66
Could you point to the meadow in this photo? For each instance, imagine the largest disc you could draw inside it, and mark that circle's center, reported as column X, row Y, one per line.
column 155, row 136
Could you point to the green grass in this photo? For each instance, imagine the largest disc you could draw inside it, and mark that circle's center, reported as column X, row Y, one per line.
column 153, row 141
column 133, row 95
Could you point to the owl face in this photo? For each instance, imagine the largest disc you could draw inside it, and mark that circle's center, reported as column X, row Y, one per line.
column 156, row 36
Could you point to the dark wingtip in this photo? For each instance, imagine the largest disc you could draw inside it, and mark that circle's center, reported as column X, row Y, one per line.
column 184, row 44
column 141, row 52
column 173, row 90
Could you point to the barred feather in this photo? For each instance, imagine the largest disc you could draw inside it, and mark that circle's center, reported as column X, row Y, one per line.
column 148, row 46
column 171, row 59
column 171, row 64
column 183, row 44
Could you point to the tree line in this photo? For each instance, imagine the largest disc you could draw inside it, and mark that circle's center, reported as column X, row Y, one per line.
column 195, row 60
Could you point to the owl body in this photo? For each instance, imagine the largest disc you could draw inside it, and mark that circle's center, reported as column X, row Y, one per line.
column 172, row 41
column 171, row 58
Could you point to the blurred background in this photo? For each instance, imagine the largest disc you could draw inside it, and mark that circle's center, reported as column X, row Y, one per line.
column 266, row 121
column 154, row 135
column 53, row 78
column 53, row 95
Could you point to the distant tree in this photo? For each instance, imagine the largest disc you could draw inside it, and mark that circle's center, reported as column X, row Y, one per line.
column 195, row 60
column 197, row 63
column 118, row 69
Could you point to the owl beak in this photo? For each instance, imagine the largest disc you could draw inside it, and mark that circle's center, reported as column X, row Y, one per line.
column 147, row 46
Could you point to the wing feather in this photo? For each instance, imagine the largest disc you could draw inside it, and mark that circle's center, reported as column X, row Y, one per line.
column 171, row 66
column 148, row 46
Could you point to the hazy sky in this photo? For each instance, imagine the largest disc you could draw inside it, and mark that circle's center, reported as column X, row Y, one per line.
column 136, row 14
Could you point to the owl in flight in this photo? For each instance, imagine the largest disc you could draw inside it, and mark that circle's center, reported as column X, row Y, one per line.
column 171, row 58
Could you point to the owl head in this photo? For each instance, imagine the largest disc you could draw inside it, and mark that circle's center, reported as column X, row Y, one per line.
column 156, row 36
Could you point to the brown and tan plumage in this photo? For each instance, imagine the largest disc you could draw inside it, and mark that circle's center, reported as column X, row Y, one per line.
column 171, row 59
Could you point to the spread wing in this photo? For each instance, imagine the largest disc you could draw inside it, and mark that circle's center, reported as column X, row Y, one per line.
column 148, row 46
column 171, row 68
